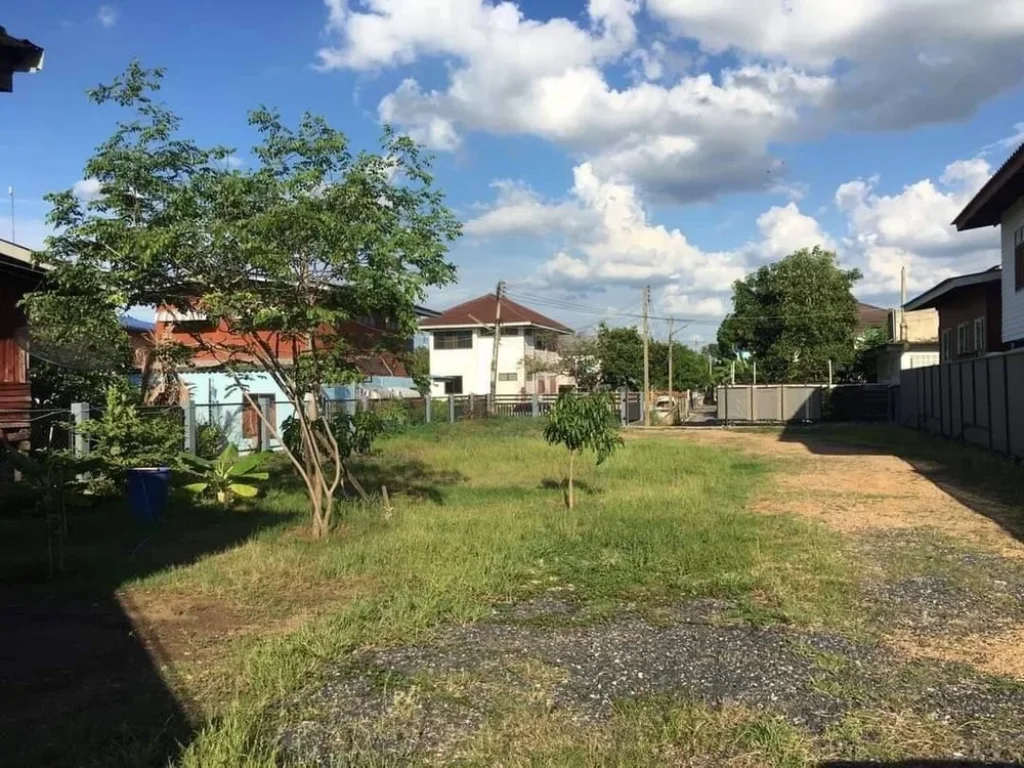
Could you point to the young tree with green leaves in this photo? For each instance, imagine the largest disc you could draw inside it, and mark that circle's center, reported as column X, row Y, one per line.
column 280, row 253
column 580, row 423
column 794, row 316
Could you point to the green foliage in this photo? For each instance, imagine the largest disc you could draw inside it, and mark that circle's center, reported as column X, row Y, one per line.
column 793, row 317
column 418, row 366
column 211, row 440
column 393, row 415
column 869, row 348
column 78, row 346
column 124, row 437
column 53, row 480
column 620, row 362
column 307, row 238
column 227, row 476
column 621, row 355
column 583, row 422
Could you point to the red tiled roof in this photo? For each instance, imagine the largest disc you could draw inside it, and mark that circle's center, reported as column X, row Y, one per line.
column 480, row 312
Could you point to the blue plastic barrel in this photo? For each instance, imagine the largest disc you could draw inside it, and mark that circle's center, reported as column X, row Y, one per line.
column 147, row 492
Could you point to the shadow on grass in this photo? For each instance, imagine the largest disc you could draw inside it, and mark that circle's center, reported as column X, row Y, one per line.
column 560, row 484
column 984, row 482
column 915, row 764
column 409, row 477
column 80, row 685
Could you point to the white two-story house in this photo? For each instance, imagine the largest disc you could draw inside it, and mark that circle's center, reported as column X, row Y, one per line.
column 1001, row 203
column 462, row 344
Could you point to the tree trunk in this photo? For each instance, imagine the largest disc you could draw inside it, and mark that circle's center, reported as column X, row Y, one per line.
column 572, row 462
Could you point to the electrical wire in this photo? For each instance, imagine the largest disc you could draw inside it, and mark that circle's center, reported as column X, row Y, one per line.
column 584, row 309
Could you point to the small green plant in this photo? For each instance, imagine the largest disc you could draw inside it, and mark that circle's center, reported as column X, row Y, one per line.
column 582, row 423
column 227, row 476
column 211, row 440
column 123, row 437
column 54, row 480
column 354, row 434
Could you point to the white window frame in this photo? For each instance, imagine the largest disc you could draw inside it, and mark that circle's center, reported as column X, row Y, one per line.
column 979, row 335
column 946, row 348
column 514, row 376
column 961, row 339
column 458, row 335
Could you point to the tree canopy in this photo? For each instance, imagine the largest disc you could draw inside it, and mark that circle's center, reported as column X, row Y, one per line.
column 281, row 252
column 793, row 317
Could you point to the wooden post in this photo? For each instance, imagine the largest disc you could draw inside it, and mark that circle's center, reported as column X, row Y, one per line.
column 451, row 409
column 755, row 372
column 830, row 374
column 427, row 401
column 535, row 405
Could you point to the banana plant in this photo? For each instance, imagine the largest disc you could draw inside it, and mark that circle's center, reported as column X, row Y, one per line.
column 227, row 476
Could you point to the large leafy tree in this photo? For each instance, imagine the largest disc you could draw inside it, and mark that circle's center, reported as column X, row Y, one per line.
column 793, row 317
column 280, row 253
column 621, row 355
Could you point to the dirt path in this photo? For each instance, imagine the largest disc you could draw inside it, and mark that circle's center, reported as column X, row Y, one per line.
column 949, row 565
column 855, row 489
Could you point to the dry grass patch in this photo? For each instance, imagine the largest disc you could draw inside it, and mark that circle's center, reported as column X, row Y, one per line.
column 999, row 653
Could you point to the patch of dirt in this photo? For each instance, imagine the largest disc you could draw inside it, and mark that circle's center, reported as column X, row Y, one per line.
column 1000, row 653
column 855, row 491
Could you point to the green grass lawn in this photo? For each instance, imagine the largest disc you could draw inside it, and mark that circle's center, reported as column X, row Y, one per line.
column 478, row 522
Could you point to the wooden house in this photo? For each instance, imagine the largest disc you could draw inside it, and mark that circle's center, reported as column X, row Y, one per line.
column 18, row 276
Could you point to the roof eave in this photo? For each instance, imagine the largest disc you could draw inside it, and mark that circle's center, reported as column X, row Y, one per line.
column 927, row 299
column 977, row 213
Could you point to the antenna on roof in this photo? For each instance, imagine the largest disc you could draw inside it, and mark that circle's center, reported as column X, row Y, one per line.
column 10, row 191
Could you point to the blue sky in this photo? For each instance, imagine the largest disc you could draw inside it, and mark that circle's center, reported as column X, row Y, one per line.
column 590, row 147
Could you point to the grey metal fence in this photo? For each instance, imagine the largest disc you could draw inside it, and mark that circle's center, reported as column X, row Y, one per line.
column 979, row 401
column 803, row 402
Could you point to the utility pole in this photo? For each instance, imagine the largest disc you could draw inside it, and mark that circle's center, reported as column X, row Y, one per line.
column 671, row 330
column 10, row 191
column 647, row 357
column 492, row 401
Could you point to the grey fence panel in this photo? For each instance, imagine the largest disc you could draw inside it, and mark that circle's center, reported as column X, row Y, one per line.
column 1015, row 415
column 768, row 403
column 979, row 401
column 956, row 397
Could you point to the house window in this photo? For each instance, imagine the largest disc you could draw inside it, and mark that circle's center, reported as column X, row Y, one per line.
column 453, row 385
column 453, row 340
column 979, row 334
column 1018, row 259
column 545, row 341
column 508, row 377
column 509, row 331
column 945, row 353
column 961, row 340
column 251, row 418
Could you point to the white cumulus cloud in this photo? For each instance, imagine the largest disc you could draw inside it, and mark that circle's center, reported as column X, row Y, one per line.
column 107, row 15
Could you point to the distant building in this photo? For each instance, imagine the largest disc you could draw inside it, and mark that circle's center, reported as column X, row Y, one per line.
column 1001, row 203
column 462, row 344
column 970, row 314
column 913, row 342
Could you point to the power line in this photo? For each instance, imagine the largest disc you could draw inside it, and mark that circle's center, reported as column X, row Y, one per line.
column 584, row 309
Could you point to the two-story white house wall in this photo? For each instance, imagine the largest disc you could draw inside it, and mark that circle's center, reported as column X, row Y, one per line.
column 1001, row 203
column 462, row 345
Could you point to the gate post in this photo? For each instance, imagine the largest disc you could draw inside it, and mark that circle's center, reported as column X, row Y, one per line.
column 451, row 409
column 80, row 412
column 535, row 405
column 190, row 427
column 426, row 408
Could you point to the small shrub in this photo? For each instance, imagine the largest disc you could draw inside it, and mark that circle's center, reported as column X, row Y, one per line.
column 582, row 423
column 226, row 477
column 211, row 440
